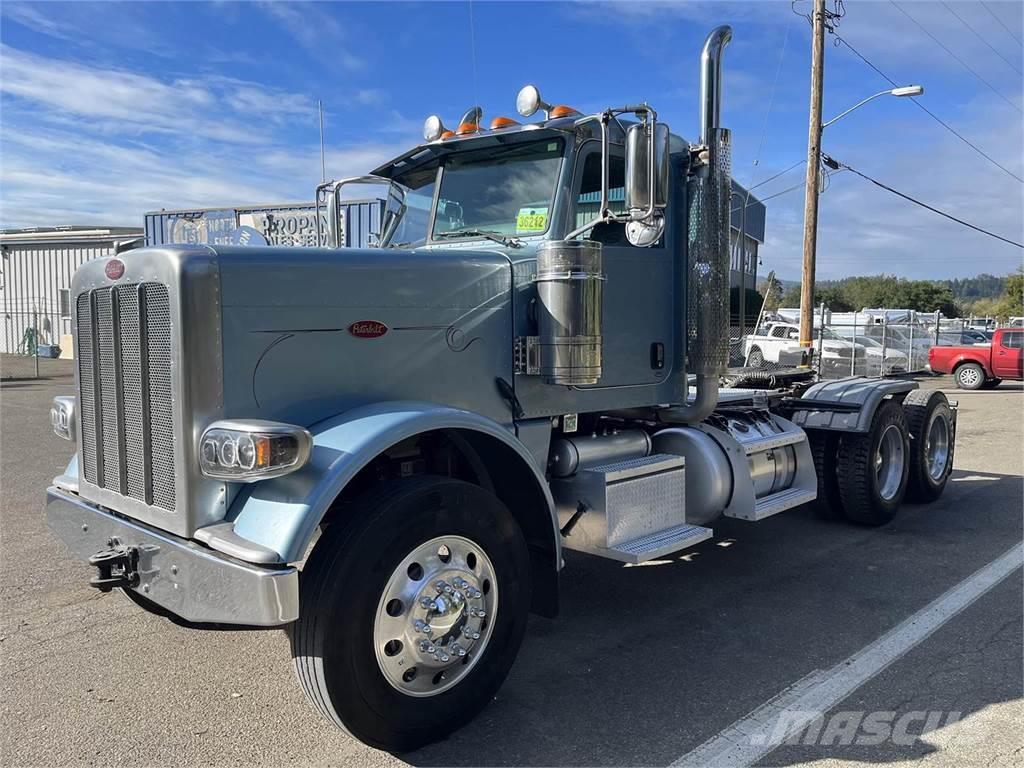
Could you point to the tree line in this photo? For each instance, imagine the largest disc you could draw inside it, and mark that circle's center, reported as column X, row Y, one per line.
column 1001, row 297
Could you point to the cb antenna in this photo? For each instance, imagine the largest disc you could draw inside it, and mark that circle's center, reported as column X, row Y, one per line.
column 323, row 164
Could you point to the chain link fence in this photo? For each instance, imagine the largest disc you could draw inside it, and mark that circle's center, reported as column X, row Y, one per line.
column 30, row 345
column 872, row 344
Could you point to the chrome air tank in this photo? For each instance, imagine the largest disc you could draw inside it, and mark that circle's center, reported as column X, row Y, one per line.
column 570, row 296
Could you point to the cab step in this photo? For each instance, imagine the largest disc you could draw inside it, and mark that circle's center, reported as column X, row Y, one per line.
column 781, row 501
column 655, row 545
column 631, row 510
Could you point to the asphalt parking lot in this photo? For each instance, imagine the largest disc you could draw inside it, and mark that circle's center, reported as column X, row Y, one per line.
column 644, row 666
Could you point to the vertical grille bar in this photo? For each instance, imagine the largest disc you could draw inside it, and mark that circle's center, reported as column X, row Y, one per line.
column 86, row 383
column 161, row 425
column 134, row 422
column 110, row 440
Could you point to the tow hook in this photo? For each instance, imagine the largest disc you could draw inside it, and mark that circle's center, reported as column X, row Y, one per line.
column 118, row 567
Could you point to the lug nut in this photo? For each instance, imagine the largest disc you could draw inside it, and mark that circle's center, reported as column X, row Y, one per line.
column 425, row 602
column 421, row 626
column 439, row 586
column 427, row 647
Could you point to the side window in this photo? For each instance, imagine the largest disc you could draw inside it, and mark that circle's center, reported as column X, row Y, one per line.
column 588, row 198
column 1013, row 340
column 780, row 332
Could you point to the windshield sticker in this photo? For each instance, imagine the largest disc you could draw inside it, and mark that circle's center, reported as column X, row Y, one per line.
column 532, row 219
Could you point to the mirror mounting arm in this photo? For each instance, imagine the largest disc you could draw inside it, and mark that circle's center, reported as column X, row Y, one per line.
column 328, row 194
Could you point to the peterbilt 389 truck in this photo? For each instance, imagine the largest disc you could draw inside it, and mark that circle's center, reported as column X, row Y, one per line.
column 388, row 450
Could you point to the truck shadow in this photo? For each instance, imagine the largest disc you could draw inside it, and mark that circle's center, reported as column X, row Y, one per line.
column 646, row 663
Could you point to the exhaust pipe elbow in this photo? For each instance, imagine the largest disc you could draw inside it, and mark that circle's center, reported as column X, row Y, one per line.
column 702, row 405
column 711, row 80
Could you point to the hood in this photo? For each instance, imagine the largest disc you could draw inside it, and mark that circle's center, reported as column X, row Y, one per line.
column 310, row 332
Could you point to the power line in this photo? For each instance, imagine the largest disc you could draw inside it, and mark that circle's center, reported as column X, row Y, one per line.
column 986, row 42
column 931, row 114
column 837, row 164
column 1001, row 22
column 947, row 50
column 780, row 173
column 739, row 208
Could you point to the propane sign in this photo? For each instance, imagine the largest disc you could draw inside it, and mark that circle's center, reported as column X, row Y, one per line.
column 287, row 224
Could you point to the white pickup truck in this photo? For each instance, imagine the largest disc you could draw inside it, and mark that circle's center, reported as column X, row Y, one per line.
column 773, row 338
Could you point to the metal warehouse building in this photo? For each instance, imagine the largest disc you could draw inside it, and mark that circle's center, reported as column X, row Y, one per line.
column 35, row 280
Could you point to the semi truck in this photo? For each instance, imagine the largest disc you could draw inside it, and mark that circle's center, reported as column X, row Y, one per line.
column 388, row 451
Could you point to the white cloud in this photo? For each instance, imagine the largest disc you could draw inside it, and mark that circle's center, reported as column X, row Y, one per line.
column 87, row 144
column 210, row 107
column 319, row 32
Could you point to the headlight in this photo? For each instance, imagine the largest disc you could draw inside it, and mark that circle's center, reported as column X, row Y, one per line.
column 244, row 451
column 62, row 417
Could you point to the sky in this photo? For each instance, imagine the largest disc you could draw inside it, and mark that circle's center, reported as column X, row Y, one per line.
column 109, row 110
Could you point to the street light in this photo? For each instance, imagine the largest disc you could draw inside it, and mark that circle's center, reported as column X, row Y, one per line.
column 904, row 90
column 813, row 155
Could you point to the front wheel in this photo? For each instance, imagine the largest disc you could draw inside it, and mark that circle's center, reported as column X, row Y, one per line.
column 413, row 609
column 756, row 358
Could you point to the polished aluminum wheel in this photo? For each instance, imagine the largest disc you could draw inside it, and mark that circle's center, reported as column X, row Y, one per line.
column 936, row 446
column 435, row 616
column 889, row 462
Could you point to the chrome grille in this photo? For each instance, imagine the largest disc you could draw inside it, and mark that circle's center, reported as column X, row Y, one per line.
column 124, row 368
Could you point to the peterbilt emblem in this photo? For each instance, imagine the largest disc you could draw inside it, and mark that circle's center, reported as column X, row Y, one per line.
column 367, row 329
column 114, row 269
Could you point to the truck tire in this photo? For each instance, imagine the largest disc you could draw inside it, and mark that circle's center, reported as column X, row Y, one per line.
column 873, row 468
column 969, row 376
column 930, row 423
column 828, row 505
column 417, row 558
column 756, row 358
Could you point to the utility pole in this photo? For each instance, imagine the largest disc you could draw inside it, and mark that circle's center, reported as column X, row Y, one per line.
column 811, row 192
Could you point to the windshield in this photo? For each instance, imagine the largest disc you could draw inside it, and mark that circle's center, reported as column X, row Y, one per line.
column 504, row 191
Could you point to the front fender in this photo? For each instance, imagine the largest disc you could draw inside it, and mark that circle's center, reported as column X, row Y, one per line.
column 282, row 514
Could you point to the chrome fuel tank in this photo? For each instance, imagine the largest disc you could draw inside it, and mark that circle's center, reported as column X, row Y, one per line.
column 570, row 293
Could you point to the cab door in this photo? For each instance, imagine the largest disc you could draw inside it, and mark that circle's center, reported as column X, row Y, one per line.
column 1007, row 362
column 638, row 326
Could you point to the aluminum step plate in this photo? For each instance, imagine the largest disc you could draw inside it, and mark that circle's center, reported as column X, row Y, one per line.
column 655, row 545
column 780, row 502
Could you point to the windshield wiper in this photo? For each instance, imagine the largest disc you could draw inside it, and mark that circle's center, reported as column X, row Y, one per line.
column 497, row 237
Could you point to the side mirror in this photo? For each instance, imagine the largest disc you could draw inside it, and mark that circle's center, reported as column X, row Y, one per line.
column 641, row 144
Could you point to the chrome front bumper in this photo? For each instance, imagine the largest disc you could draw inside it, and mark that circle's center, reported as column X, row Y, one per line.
column 182, row 577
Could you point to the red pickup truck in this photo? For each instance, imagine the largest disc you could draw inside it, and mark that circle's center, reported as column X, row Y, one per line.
column 982, row 366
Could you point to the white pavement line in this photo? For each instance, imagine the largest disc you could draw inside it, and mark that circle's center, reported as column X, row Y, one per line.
column 749, row 739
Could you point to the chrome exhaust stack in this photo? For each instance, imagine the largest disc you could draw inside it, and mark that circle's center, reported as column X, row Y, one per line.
column 706, row 327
